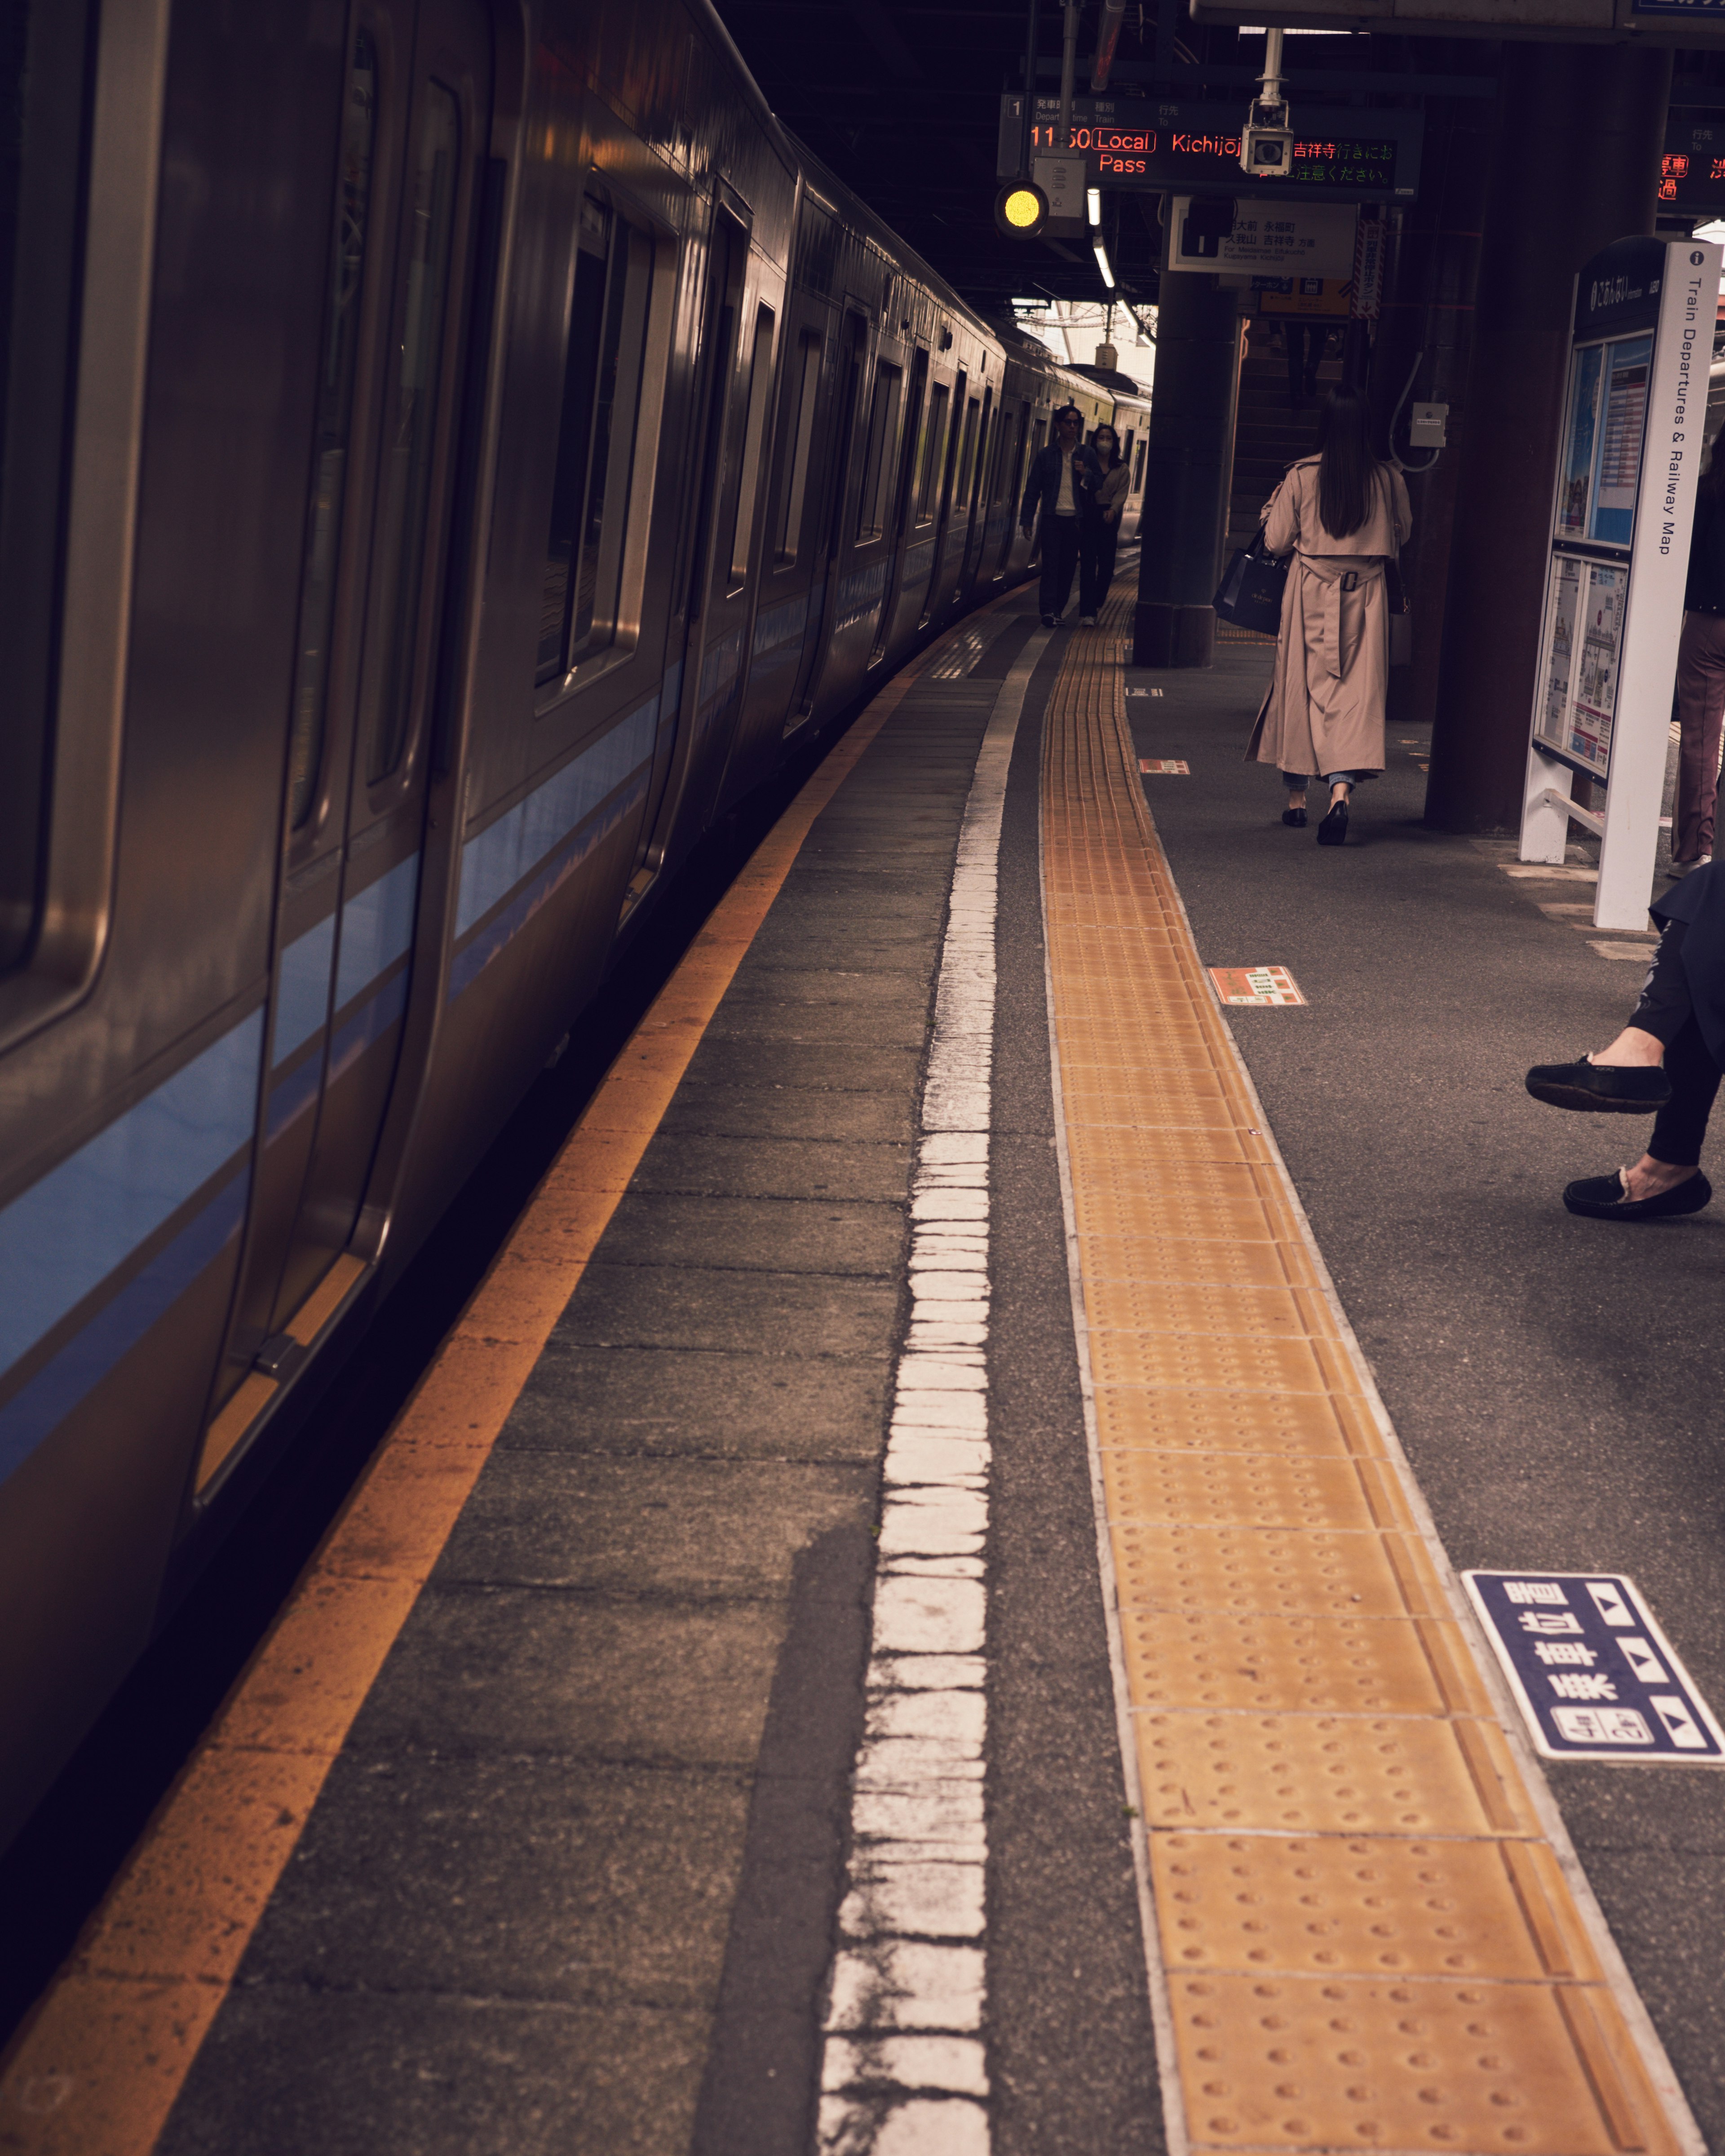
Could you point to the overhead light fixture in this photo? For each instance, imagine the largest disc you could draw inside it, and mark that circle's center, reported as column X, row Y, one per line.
column 1021, row 209
column 1102, row 262
column 1093, row 203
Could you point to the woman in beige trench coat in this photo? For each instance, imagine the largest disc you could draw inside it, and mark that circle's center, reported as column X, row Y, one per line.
column 1343, row 515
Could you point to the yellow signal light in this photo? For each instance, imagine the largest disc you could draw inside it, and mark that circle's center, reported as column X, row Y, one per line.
column 1021, row 209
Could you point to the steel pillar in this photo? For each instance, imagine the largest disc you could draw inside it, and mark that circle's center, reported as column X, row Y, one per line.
column 1609, row 102
column 1188, row 468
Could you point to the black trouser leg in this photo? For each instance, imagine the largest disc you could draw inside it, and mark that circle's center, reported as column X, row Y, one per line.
column 1060, row 557
column 1682, row 1123
column 1666, row 1011
column 1665, row 1008
column 1097, row 543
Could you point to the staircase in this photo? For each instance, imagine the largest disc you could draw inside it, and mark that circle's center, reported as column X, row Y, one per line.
column 1268, row 438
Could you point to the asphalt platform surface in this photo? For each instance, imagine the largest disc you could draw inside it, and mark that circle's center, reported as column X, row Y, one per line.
column 1554, row 1380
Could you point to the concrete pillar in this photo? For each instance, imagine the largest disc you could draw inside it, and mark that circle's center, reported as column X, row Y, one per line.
column 1607, row 103
column 1187, row 469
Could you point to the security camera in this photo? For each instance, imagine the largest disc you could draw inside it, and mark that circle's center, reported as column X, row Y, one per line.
column 1266, row 142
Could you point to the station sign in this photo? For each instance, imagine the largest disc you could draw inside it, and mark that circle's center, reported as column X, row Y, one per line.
column 1283, row 239
column 1649, row 21
column 1341, row 153
column 1593, row 1675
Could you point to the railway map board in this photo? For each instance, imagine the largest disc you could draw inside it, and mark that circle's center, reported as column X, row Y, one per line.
column 1593, row 1674
column 1628, row 452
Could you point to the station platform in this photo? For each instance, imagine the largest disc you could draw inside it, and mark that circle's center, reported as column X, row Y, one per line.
column 917, row 1611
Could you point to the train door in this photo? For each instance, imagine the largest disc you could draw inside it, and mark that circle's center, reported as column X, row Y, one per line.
column 852, row 353
column 413, row 140
column 1013, row 476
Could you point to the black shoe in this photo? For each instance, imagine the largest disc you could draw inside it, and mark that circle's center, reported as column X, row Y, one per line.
column 1049, row 621
column 1600, row 1089
column 1333, row 829
column 1604, row 1198
column 1295, row 817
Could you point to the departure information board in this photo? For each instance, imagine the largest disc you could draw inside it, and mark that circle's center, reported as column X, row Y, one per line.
column 1341, row 153
column 1692, row 170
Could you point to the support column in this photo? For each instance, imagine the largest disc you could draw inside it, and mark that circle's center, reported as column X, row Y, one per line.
column 1187, row 469
column 1426, row 330
column 1610, row 102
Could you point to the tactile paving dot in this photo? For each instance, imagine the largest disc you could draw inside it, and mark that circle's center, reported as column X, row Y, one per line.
column 1086, row 1045
column 1296, row 1773
column 1301, row 2063
column 1197, row 1305
column 1312, row 1572
column 1263, row 1363
column 1336, row 1906
column 1257, row 1488
column 1115, row 1149
column 1145, row 1259
column 1223, row 1421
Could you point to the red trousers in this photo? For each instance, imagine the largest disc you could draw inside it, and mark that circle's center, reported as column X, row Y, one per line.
column 1701, row 710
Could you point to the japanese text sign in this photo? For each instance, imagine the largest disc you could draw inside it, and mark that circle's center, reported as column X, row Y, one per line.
column 1595, row 1677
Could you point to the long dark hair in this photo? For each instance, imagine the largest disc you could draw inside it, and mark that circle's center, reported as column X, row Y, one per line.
column 1114, row 452
column 1347, row 469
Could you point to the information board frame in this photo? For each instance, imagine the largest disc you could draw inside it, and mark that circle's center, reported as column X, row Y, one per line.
column 1623, row 503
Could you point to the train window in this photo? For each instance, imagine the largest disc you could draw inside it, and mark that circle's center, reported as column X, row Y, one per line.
column 404, row 484
column 760, row 394
column 609, row 292
column 934, row 442
column 43, row 153
column 967, row 461
column 1138, row 470
column 805, row 395
column 1126, row 446
column 333, row 422
column 878, row 458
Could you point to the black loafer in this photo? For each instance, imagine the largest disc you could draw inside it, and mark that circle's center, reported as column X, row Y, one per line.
column 1333, row 829
column 1600, row 1089
column 1602, row 1198
column 1295, row 817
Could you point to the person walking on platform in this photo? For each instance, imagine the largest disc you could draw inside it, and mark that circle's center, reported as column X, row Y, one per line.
column 1061, row 475
column 1342, row 515
column 1700, row 676
column 1665, row 1063
column 1099, row 525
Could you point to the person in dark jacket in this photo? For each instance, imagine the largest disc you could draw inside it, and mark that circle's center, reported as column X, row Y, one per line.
column 1061, row 475
column 1665, row 1063
column 1700, row 676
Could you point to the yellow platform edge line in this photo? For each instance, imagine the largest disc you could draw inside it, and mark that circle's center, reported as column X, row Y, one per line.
column 1364, row 1923
column 96, row 2068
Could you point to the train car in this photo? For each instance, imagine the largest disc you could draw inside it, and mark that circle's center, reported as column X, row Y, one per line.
column 450, row 449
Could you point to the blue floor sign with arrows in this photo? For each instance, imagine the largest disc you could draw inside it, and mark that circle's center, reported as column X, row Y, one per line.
column 1595, row 1676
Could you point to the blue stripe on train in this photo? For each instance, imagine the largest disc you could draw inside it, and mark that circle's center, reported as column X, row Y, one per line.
column 61, row 1237
column 376, row 928
column 302, row 987
column 55, row 1390
column 471, row 961
column 494, row 862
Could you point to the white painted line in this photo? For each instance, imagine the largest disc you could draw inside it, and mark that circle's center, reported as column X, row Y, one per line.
column 903, row 2071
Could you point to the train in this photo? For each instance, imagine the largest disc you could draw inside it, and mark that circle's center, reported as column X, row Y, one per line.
column 453, row 450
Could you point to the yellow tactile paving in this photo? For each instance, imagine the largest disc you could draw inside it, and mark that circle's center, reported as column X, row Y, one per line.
column 1304, row 1664
column 1212, row 1489
column 1332, row 1905
column 1368, row 1943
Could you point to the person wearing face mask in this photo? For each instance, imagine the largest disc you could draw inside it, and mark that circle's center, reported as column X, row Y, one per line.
column 1061, row 478
column 1099, row 525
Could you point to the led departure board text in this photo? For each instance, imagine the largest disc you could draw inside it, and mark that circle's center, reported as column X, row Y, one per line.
column 1356, row 156
column 1692, row 173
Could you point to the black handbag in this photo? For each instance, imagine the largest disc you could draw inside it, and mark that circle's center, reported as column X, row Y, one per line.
column 1401, row 614
column 1250, row 593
